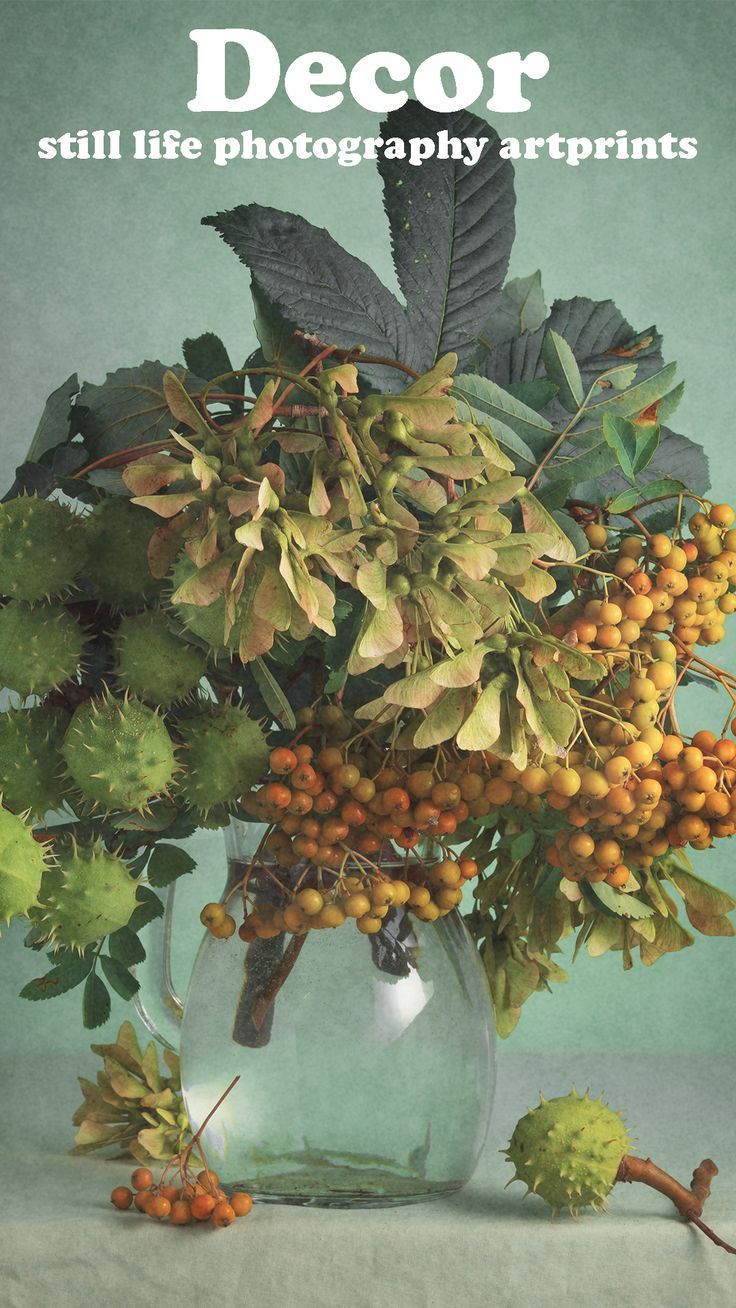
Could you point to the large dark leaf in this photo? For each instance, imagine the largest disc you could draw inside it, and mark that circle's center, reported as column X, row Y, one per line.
column 128, row 408
column 53, row 429
column 597, row 333
column 452, row 228
column 315, row 283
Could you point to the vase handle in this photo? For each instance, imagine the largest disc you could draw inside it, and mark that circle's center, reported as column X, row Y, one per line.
column 157, row 1003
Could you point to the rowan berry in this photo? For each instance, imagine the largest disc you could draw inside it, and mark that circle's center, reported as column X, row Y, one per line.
column 121, row 1197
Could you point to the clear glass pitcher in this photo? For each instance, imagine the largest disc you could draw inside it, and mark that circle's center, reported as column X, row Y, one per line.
column 366, row 1080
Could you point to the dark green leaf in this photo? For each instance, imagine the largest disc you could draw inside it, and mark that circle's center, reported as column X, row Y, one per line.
column 166, row 864
column 310, row 278
column 67, row 974
column 561, row 368
column 128, row 408
column 53, row 429
column 149, row 907
column 125, row 946
column 273, row 695
column 206, row 356
column 620, row 435
column 523, row 844
column 548, row 884
column 119, row 978
column 490, row 401
column 95, row 1003
column 520, row 308
column 535, row 394
column 452, row 228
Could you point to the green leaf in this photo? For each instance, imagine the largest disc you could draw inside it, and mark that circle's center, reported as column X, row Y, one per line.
column 493, row 402
column 167, row 862
column 452, row 228
column 53, row 429
column 520, row 308
column 95, row 1002
column 646, row 447
column 273, row 695
column 207, row 357
column 620, row 435
column 537, row 394
column 662, row 486
column 67, row 974
column 626, row 500
column 125, row 946
column 149, row 907
column 548, row 884
column 561, row 368
column 523, row 844
column 119, row 977
column 636, row 398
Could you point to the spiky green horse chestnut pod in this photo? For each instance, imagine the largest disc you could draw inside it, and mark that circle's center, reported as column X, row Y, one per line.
column 42, row 549
column 40, row 647
column 89, row 894
column 118, row 535
column 119, row 753
column 568, row 1151
column 225, row 754
column 153, row 661
column 22, row 862
column 32, row 773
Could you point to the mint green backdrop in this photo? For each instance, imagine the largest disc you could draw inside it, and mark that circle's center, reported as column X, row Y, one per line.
column 104, row 264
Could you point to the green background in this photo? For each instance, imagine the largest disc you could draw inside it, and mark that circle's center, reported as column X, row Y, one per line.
column 105, row 264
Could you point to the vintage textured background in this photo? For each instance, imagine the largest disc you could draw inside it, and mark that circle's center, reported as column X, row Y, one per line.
column 104, row 264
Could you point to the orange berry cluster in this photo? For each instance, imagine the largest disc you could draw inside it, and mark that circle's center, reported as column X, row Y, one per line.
column 661, row 584
column 198, row 1200
column 625, row 806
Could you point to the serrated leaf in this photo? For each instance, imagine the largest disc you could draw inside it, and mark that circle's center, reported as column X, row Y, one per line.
column 121, row 980
column 562, row 369
column 53, row 428
column 536, row 394
column 621, row 436
column 125, row 946
column 95, row 1002
column 68, row 974
column 452, row 228
column 490, row 401
column 626, row 500
column 129, row 408
column 314, row 282
column 167, row 863
column 149, row 907
column 520, row 308
column 206, row 357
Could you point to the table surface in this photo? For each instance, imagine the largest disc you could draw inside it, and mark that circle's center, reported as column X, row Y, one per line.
column 62, row 1244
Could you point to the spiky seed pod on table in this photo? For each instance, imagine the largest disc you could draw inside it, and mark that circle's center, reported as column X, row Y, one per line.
column 118, row 534
column 32, row 773
column 22, row 863
column 40, row 647
column 119, row 753
column 225, row 754
column 42, row 549
column 89, row 894
column 153, row 661
column 568, row 1151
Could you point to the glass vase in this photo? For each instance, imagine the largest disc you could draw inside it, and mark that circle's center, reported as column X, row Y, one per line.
column 365, row 1062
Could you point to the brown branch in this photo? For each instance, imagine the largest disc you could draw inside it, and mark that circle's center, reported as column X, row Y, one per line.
column 689, row 1203
column 264, row 1000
